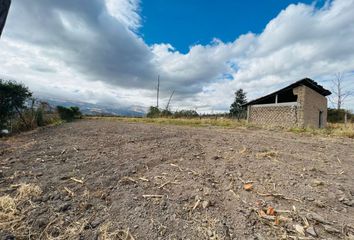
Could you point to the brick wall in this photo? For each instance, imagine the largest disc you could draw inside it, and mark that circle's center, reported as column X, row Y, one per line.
column 271, row 115
column 305, row 114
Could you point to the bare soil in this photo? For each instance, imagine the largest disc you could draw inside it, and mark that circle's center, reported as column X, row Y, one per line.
column 117, row 180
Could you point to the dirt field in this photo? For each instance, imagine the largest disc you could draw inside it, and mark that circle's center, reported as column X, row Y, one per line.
column 97, row 179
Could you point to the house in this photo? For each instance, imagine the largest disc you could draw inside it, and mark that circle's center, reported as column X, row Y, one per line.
column 301, row 104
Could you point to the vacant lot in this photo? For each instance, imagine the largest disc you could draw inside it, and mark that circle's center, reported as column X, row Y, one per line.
column 97, row 179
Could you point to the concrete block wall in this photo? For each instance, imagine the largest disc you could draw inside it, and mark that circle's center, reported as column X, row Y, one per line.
column 306, row 113
column 300, row 93
column 271, row 115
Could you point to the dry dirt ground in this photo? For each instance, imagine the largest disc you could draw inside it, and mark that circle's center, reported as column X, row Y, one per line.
column 97, row 179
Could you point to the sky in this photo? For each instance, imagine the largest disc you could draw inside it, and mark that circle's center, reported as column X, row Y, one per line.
column 187, row 23
column 110, row 52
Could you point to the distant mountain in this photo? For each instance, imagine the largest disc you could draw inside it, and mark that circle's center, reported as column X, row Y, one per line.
column 98, row 109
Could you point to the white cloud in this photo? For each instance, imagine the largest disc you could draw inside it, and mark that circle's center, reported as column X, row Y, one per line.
column 90, row 51
column 126, row 11
column 301, row 41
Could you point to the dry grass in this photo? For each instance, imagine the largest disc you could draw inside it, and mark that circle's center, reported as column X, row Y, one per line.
column 56, row 231
column 332, row 130
column 8, row 211
column 107, row 232
column 27, row 191
column 193, row 122
column 13, row 209
column 7, row 204
column 271, row 154
column 74, row 230
column 340, row 129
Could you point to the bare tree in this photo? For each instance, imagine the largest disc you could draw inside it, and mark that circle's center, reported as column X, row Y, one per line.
column 340, row 92
column 4, row 9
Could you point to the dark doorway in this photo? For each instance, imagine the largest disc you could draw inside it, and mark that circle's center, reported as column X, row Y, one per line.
column 320, row 120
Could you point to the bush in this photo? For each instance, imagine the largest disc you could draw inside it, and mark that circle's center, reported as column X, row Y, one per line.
column 153, row 112
column 40, row 117
column 186, row 114
column 76, row 112
column 69, row 114
column 337, row 116
column 166, row 113
column 33, row 118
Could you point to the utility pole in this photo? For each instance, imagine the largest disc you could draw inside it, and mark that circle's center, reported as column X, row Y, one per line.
column 158, row 91
column 4, row 10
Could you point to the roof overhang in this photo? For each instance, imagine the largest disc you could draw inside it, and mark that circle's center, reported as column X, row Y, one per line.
column 304, row 82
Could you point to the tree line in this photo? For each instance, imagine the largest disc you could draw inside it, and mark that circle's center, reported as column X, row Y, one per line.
column 237, row 109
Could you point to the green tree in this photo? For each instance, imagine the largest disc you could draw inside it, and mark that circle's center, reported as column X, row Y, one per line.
column 166, row 113
column 76, row 111
column 153, row 112
column 13, row 97
column 236, row 108
column 69, row 114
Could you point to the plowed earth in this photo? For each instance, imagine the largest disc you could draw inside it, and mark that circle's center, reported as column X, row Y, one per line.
column 116, row 180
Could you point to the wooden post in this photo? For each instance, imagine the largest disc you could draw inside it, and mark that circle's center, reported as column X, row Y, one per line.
column 345, row 118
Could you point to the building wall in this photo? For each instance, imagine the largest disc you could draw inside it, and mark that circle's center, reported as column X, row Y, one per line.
column 271, row 115
column 303, row 114
column 310, row 105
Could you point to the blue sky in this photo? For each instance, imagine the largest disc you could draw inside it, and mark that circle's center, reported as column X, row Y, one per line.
column 189, row 22
column 111, row 51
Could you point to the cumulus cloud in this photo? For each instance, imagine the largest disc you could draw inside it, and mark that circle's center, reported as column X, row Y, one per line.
column 92, row 51
column 126, row 11
column 302, row 41
column 90, row 37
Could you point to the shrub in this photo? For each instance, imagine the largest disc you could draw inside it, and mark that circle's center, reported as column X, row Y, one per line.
column 69, row 114
column 76, row 112
column 337, row 115
column 166, row 113
column 186, row 114
column 40, row 117
column 153, row 112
